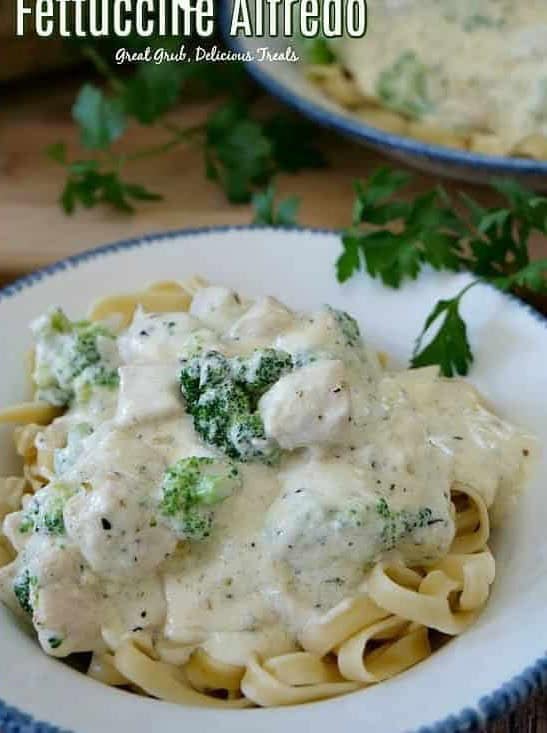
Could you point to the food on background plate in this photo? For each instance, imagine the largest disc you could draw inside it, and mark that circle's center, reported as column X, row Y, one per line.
column 469, row 75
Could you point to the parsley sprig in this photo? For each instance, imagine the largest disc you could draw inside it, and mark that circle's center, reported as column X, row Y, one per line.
column 243, row 150
column 268, row 212
column 393, row 238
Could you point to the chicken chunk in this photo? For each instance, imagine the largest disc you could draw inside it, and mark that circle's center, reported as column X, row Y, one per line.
column 148, row 392
column 154, row 337
column 309, row 406
column 264, row 320
column 217, row 307
column 116, row 530
column 66, row 617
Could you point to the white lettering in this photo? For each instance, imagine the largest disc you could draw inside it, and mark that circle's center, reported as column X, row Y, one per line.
column 241, row 19
column 273, row 20
column 79, row 28
column 356, row 18
column 22, row 10
column 122, row 26
column 309, row 18
column 44, row 18
column 144, row 27
column 205, row 18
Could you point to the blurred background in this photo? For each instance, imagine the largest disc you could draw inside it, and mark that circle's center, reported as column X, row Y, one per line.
column 200, row 136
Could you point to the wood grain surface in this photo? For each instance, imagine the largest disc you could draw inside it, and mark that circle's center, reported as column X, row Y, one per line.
column 34, row 232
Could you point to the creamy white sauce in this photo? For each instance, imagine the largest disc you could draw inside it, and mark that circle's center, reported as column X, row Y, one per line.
column 484, row 63
column 367, row 464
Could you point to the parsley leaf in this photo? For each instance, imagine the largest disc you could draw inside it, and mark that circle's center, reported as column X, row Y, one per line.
column 449, row 348
column 407, row 234
column 525, row 205
column 87, row 186
column 238, row 154
column 242, row 152
column 372, row 203
column 400, row 235
column 292, row 144
column 100, row 118
column 267, row 214
column 153, row 90
column 392, row 257
column 531, row 277
column 349, row 262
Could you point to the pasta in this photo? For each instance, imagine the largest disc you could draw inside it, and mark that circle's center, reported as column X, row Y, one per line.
column 431, row 570
column 417, row 73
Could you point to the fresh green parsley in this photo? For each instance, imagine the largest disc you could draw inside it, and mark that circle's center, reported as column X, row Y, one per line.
column 243, row 151
column 268, row 213
column 393, row 237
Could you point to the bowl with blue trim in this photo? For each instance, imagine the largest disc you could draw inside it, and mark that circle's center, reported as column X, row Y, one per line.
column 477, row 677
column 287, row 81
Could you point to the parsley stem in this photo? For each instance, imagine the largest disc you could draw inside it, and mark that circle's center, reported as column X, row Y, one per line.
column 468, row 287
column 180, row 135
column 103, row 68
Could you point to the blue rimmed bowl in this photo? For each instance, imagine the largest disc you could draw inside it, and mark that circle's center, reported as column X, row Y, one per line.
column 287, row 81
column 475, row 678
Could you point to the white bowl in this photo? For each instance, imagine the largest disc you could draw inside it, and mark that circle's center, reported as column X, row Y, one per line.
column 476, row 677
column 286, row 80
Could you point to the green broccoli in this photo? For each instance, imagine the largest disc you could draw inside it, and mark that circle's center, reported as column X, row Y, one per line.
column 317, row 51
column 398, row 524
column 94, row 377
column 347, row 325
column 222, row 396
column 261, row 370
column 70, row 355
column 189, row 488
column 403, row 86
column 248, row 442
column 215, row 410
column 24, row 587
column 65, row 458
column 55, row 641
column 44, row 512
column 57, row 322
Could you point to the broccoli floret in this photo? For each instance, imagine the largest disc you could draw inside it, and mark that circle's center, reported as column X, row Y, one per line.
column 44, row 512
column 215, row 410
column 58, row 322
column 261, row 370
column 92, row 378
column 189, row 488
column 222, row 396
column 317, row 51
column 201, row 372
column 70, row 355
column 24, row 587
column 248, row 442
column 189, row 382
column 66, row 457
column 347, row 325
column 403, row 86
column 401, row 523
column 214, row 369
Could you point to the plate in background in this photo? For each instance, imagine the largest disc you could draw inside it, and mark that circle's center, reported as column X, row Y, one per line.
column 287, row 82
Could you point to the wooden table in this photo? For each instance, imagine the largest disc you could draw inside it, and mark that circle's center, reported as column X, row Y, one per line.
column 33, row 231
